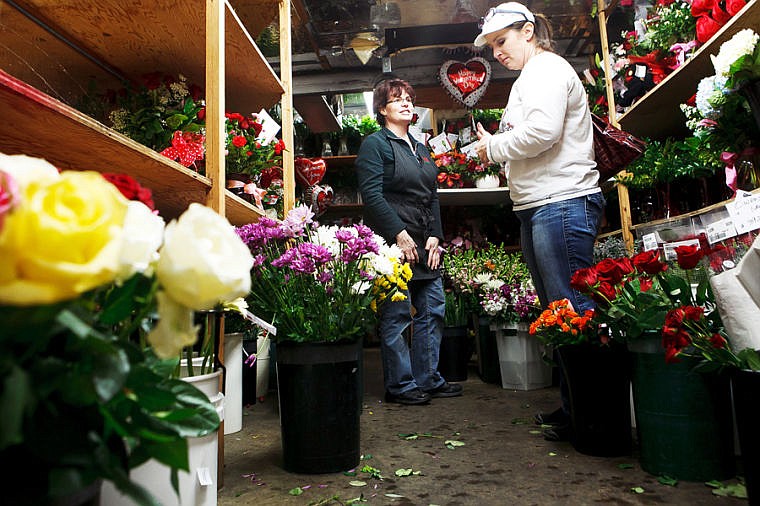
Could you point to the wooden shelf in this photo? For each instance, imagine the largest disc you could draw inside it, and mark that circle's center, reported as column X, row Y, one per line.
column 71, row 140
column 657, row 114
column 339, row 162
column 143, row 36
column 473, row 196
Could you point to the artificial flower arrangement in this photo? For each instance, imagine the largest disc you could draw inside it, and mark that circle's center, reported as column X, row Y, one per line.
column 560, row 325
column 320, row 283
column 86, row 370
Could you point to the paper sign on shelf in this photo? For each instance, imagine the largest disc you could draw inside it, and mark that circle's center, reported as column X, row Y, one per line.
column 465, row 135
column 745, row 211
column 440, row 144
column 649, row 241
column 669, row 248
column 720, row 230
column 453, row 138
column 269, row 128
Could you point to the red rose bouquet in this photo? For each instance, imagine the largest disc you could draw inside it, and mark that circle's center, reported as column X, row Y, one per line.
column 633, row 295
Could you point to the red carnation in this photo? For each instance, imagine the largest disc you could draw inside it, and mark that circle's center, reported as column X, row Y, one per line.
column 239, row 141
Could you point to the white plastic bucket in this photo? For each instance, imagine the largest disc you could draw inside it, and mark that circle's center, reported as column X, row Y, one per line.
column 199, row 486
column 262, row 366
column 233, row 383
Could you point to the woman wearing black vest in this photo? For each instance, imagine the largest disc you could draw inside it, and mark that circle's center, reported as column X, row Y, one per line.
column 397, row 179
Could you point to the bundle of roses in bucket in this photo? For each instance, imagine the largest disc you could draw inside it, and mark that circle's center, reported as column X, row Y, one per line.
column 97, row 299
column 320, row 283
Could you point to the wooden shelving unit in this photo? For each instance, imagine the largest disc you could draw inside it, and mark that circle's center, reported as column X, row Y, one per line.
column 657, row 114
column 128, row 39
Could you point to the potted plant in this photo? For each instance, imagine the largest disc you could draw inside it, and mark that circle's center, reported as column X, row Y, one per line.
column 88, row 366
column 320, row 286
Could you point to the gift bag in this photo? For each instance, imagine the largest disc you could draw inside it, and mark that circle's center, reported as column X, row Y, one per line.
column 614, row 149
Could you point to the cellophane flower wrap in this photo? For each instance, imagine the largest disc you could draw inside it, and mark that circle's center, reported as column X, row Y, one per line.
column 83, row 394
column 320, row 283
column 560, row 325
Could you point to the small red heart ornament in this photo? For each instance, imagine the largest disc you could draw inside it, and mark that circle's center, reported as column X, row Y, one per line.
column 309, row 172
column 466, row 82
column 320, row 198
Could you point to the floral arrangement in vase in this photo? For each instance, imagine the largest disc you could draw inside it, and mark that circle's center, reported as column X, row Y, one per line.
column 320, row 283
column 458, row 169
column 97, row 297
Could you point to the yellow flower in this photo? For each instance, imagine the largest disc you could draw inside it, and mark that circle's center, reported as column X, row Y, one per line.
column 64, row 239
column 398, row 296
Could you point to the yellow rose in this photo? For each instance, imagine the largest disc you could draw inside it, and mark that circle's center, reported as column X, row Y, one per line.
column 62, row 240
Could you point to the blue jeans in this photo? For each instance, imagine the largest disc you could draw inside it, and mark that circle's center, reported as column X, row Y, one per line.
column 557, row 239
column 405, row 369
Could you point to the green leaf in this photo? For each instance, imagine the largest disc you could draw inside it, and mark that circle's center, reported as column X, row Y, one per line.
column 734, row 490
column 667, row 480
column 295, row 491
column 625, row 466
column 637, row 490
column 452, row 443
column 357, row 483
column 403, row 472
column 394, row 496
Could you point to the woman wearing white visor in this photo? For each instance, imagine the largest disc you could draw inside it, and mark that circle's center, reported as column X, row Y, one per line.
column 545, row 141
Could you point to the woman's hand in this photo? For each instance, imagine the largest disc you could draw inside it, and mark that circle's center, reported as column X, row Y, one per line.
column 481, row 148
column 408, row 247
column 434, row 253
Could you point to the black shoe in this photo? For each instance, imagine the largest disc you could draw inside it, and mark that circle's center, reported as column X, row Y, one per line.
column 446, row 390
column 411, row 397
column 556, row 417
column 558, row 433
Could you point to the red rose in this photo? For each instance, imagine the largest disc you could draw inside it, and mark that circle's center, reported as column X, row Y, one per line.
column 688, row 256
column 244, row 124
column 671, row 355
column 583, row 279
column 606, row 293
column 202, row 114
column 674, row 318
column 718, row 341
column 239, row 141
column 649, row 262
column 257, row 128
column 130, row 188
column 609, row 270
column 645, row 284
column 693, row 313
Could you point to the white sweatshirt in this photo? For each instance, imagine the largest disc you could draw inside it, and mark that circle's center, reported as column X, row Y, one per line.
column 545, row 135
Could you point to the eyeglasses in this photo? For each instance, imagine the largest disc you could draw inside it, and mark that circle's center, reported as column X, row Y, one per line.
column 494, row 11
column 399, row 100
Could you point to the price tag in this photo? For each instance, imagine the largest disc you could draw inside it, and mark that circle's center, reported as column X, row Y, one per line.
column 720, row 230
column 669, row 248
column 745, row 212
column 204, row 477
column 440, row 144
column 649, row 241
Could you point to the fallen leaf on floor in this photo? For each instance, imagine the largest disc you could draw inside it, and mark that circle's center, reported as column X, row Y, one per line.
column 534, row 432
column 350, row 473
column 732, row 490
column 625, row 466
column 521, row 421
column 637, row 490
column 295, row 491
column 667, row 480
column 366, row 456
column 357, row 483
column 394, row 496
column 552, row 454
column 372, row 471
column 403, row 472
column 452, row 443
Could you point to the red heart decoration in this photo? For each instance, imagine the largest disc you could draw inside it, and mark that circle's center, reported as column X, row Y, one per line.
column 309, row 172
column 466, row 82
column 319, row 198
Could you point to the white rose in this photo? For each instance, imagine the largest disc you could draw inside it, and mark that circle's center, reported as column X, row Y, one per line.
column 25, row 169
column 175, row 329
column 143, row 235
column 203, row 262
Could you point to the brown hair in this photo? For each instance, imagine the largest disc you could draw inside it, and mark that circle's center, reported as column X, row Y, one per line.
column 390, row 88
column 542, row 31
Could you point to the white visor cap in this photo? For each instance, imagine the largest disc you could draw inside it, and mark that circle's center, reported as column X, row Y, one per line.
column 498, row 18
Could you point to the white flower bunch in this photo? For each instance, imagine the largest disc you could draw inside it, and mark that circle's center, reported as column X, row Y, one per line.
column 743, row 43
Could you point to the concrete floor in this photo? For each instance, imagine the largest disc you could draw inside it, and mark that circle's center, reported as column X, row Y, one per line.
column 504, row 460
